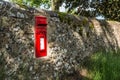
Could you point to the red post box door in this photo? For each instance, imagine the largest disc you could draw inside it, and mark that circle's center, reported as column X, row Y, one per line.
column 40, row 37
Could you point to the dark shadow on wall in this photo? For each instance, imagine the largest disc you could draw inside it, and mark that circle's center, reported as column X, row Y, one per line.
column 109, row 34
column 101, row 36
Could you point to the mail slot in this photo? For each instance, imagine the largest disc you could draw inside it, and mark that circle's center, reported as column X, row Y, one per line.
column 40, row 36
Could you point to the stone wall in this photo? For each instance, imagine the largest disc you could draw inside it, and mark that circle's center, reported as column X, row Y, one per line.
column 71, row 38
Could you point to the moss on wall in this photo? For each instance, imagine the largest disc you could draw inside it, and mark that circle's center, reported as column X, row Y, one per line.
column 64, row 17
column 76, row 22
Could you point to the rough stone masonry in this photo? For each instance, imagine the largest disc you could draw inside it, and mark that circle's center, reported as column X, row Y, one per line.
column 71, row 38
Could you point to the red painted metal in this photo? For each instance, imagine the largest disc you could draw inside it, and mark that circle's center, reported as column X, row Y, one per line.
column 40, row 36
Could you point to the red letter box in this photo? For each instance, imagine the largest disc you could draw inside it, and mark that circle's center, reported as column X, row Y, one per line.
column 40, row 36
